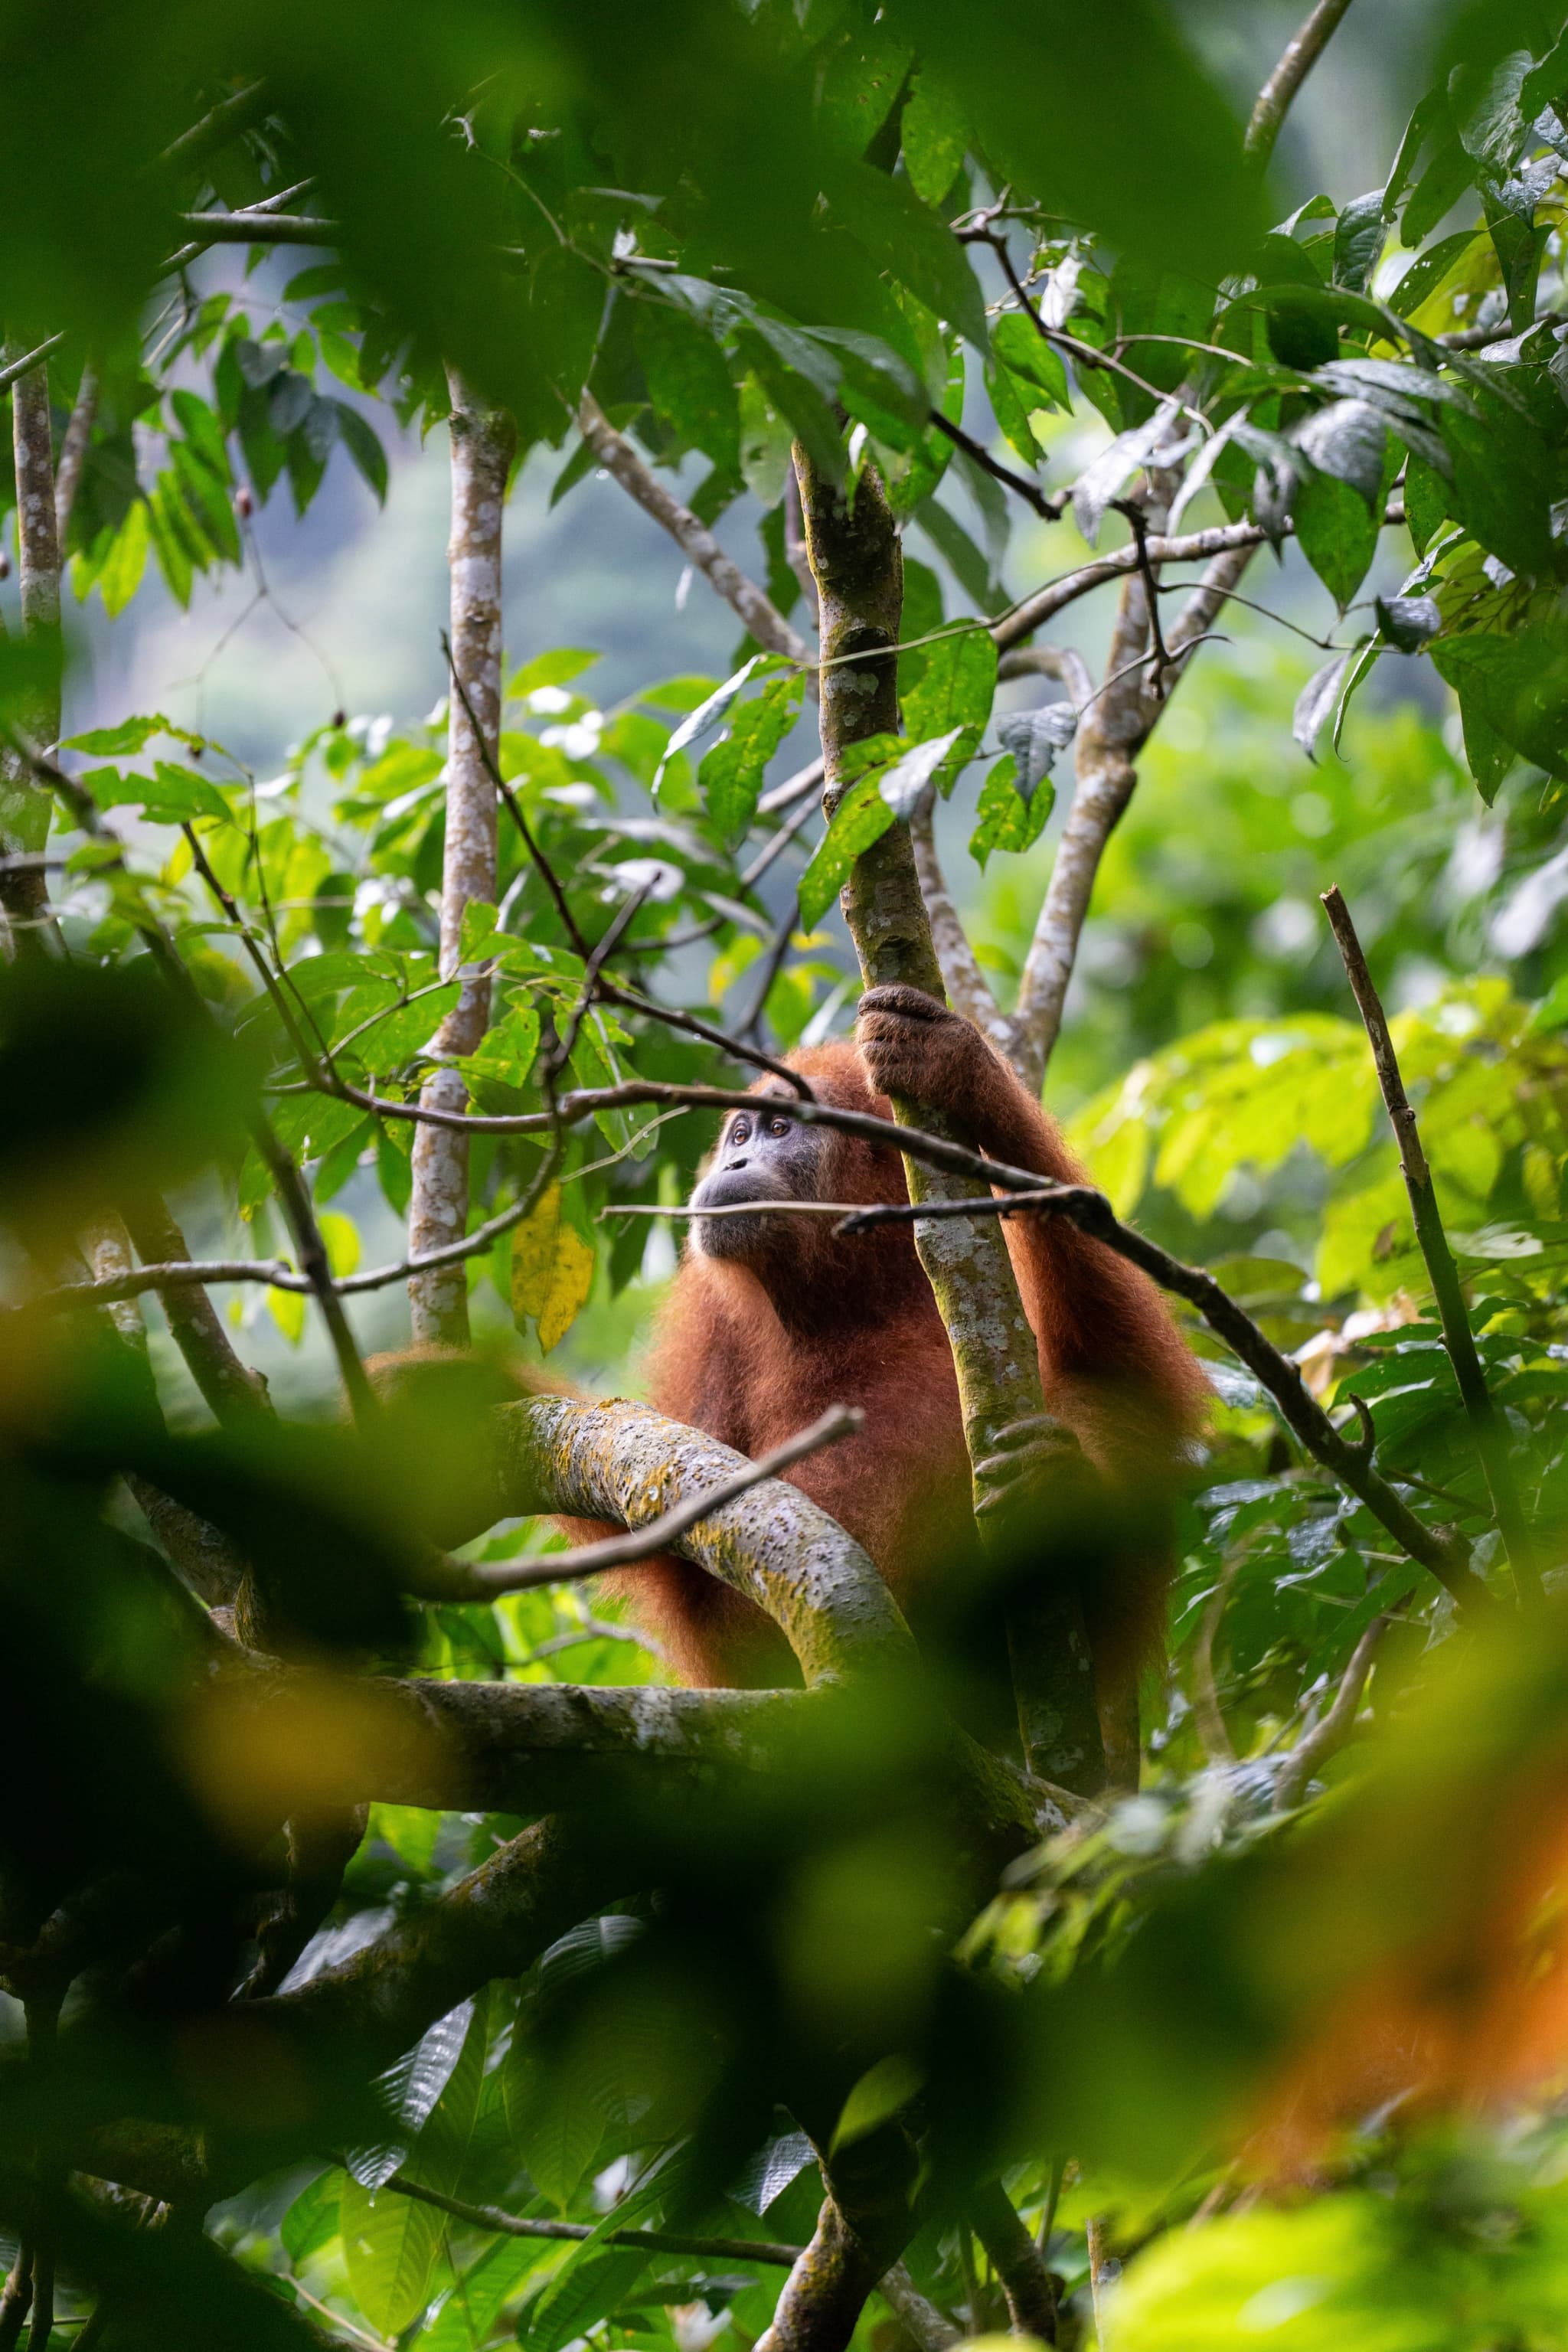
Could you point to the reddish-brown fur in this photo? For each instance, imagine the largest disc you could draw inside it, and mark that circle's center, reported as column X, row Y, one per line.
column 752, row 1352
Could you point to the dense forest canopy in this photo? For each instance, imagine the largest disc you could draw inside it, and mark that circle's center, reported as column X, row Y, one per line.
column 1138, row 579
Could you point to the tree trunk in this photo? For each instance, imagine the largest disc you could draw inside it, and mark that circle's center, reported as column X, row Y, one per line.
column 23, row 807
column 858, row 563
column 482, row 442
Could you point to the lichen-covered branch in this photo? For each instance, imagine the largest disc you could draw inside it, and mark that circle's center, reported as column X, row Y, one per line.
column 483, row 439
column 858, row 563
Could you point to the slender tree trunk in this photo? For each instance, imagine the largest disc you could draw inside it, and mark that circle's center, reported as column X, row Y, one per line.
column 24, row 808
column 858, row 563
column 483, row 440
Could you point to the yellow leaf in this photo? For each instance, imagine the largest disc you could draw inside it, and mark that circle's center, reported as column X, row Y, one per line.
column 570, row 1280
column 340, row 1236
column 533, row 1254
column 289, row 1313
column 551, row 1269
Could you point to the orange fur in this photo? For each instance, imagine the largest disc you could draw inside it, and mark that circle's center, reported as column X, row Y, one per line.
column 751, row 1353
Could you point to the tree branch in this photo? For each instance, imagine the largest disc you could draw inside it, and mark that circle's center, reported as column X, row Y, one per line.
column 857, row 565
column 1327, row 1736
column 968, row 989
column 24, row 806
column 230, row 1388
column 1301, row 54
column 654, row 2241
column 1020, row 2265
column 696, row 541
column 73, row 449
column 483, row 439
column 1485, row 1425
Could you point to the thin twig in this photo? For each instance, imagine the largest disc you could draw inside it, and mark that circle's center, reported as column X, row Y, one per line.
column 1049, row 509
column 773, row 964
column 1485, row 1424
column 475, row 1581
column 1301, row 54
column 542, row 866
column 659, row 2242
column 1135, row 517
column 14, row 370
column 1331, row 1735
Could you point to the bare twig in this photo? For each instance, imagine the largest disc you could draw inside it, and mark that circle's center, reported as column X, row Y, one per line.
column 773, row 964
column 658, row 2241
column 694, row 539
column 257, row 227
column 1049, row 509
column 1331, row 1735
column 16, row 369
column 1213, row 1730
column 1485, row 1425
column 476, row 1580
column 1301, row 54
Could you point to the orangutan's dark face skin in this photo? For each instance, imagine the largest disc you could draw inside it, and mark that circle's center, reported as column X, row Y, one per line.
column 760, row 1155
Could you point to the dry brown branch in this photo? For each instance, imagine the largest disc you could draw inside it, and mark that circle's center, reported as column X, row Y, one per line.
column 230, row 1388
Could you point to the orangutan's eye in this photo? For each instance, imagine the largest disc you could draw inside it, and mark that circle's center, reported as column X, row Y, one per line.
column 740, row 1130
column 778, row 1127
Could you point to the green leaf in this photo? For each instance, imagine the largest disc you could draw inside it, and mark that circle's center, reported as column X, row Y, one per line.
column 111, row 742
column 882, row 2090
column 395, row 1040
column 1426, row 274
column 503, row 1059
column 956, row 688
column 363, row 443
column 802, row 385
column 558, row 666
column 1349, row 440
column 731, row 775
column 935, row 137
column 970, row 568
column 312, row 2222
column 1020, row 345
column 765, row 442
column 1518, row 686
column 583, row 2292
column 120, row 573
column 1503, row 484
column 689, row 381
column 905, row 237
column 170, row 796
column 861, row 817
column 1338, row 534
column 1425, row 503
column 1358, row 241
column 390, row 2245
column 1010, row 405
column 1006, row 819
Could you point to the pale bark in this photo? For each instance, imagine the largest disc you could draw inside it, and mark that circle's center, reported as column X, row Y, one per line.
column 693, row 537
column 858, row 565
column 23, row 806
column 1301, row 54
column 968, row 989
column 483, row 440
column 73, row 449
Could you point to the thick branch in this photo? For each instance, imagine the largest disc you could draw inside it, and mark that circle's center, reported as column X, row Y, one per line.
column 482, row 440
column 24, row 806
column 230, row 1388
column 1300, row 56
column 1017, row 2261
column 1486, row 1424
column 857, row 565
column 694, row 539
